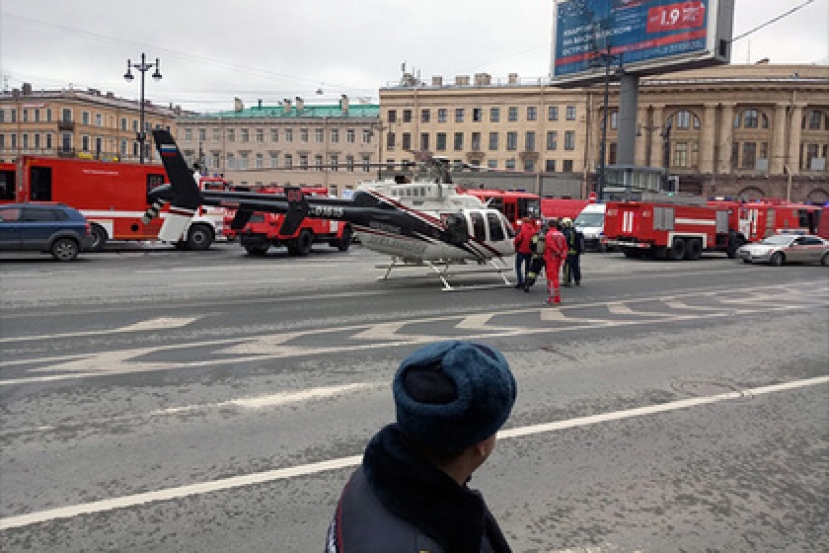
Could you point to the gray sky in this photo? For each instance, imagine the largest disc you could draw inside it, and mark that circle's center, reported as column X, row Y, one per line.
column 213, row 51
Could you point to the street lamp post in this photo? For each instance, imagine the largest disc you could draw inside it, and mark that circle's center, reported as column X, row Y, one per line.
column 143, row 67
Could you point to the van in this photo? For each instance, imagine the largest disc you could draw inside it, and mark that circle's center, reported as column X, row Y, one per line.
column 591, row 224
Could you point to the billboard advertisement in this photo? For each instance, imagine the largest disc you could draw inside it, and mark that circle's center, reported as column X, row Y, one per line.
column 645, row 36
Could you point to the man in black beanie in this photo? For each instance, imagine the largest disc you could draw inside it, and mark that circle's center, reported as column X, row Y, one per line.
column 410, row 494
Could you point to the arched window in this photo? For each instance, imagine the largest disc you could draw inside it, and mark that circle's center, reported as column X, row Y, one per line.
column 684, row 120
column 815, row 121
column 751, row 119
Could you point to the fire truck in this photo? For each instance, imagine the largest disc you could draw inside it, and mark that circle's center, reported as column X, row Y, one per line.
column 262, row 230
column 758, row 219
column 8, row 173
column 670, row 229
column 559, row 208
column 112, row 196
column 514, row 204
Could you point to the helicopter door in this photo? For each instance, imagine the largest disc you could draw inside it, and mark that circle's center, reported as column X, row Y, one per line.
column 456, row 228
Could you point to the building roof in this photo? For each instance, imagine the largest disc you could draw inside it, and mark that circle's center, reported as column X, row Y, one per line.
column 361, row 111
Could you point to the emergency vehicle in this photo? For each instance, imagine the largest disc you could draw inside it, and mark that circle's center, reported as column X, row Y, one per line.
column 8, row 173
column 559, row 208
column 112, row 196
column 262, row 230
column 758, row 219
column 676, row 229
column 514, row 204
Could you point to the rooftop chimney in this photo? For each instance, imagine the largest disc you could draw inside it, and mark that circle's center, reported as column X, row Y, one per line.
column 344, row 104
column 300, row 104
column 238, row 105
column 286, row 106
column 437, row 80
column 513, row 78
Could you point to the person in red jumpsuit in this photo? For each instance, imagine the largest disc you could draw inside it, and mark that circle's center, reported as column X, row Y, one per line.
column 555, row 252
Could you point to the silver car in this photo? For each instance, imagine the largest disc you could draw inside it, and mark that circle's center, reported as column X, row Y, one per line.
column 786, row 248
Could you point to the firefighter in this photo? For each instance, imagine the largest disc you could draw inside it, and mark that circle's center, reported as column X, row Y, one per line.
column 555, row 251
column 537, row 256
column 523, row 250
column 575, row 247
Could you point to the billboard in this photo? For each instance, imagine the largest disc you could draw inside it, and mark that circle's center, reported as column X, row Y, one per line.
column 643, row 36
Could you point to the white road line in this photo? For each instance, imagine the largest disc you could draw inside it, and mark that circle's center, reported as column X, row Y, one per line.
column 345, row 462
column 161, row 323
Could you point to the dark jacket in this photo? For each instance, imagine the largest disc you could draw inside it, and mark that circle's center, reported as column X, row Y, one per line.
column 575, row 241
column 397, row 502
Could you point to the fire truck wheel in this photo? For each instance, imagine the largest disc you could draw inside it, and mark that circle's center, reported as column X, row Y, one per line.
column 99, row 238
column 677, row 249
column 693, row 251
column 776, row 259
column 825, row 259
column 304, row 242
column 345, row 241
column 64, row 249
column 199, row 237
column 257, row 251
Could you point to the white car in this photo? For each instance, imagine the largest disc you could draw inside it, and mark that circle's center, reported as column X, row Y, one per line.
column 786, row 248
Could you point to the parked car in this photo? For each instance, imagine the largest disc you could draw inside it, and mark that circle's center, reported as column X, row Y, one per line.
column 48, row 227
column 786, row 248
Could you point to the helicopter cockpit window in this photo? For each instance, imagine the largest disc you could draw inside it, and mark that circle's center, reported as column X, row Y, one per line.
column 478, row 225
column 496, row 227
column 455, row 227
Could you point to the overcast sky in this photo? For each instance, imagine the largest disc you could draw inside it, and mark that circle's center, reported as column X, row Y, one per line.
column 212, row 51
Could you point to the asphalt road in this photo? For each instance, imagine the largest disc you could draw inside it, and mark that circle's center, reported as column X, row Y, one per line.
column 155, row 400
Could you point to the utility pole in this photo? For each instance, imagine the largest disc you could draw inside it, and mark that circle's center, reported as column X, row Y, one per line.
column 143, row 67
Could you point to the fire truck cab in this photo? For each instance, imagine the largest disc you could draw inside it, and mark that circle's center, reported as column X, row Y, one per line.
column 262, row 231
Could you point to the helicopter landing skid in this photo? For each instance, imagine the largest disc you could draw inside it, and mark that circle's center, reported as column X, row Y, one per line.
column 442, row 270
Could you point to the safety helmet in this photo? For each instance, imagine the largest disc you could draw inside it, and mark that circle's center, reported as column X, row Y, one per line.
column 567, row 222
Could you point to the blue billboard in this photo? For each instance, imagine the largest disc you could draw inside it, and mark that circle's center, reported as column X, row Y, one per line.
column 638, row 33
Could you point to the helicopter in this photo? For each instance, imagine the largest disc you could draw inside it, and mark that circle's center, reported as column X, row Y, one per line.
column 419, row 220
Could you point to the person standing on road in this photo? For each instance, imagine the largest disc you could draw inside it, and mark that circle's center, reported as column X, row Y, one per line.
column 575, row 247
column 523, row 250
column 555, row 251
column 411, row 494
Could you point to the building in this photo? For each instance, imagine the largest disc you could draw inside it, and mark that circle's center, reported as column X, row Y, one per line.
column 736, row 130
column 77, row 123
column 294, row 143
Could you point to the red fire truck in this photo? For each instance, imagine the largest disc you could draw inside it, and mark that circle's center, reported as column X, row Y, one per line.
column 669, row 229
column 112, row 196
column 8, row 173
column 514, row 204
column 559, row 208
column 760, row 218
column 262, row 230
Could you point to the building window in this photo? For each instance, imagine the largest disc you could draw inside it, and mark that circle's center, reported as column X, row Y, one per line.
column 365, row 163
column 493, row 141
column 476, row 142
column 391, row 116
column 510, row 164
column 569, row 140
column 512, row 141
column 245, row 135
column 85, row 143
column 442, row 114
column 260, row 161
column 217, row 134
column 274, row 160
column 260, row 135
column 494, row 115
column 231, row 161
column 407, row 141
column 459, row 114
column 303, row 161
column 390, row 140
column 243, row 161
column 614, row 119
column 188, row 134
column 349, row 164
column 440, row 142
column 552, row 114
column 612, row 150
column 335, row 136
column 571, row 113
column 231, row 135
column 492, row 163
column 289, row 161
column 367, row 134
column 529, row 166
column 319, row 135
column 550, row 166
column 477, row 115
column 567, row 166
column 458, row 141
column 424, row 141
column 84, row 117
column 335, row 163
column 512, row 114
column 815, row 121
column 681, row 154
column 318, row 162
column 99, row 120
column 123, row 123
column 532, row 113
column 289, row 135
column 303, row 135
column 529, row 141
column 407, row 116
column 552, row 140
column 749, row 155
column 425, row 115
column 351, row 136
column 274, row 135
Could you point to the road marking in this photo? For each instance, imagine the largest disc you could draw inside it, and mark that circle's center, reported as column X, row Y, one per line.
column 224, row 484
column 159, row 323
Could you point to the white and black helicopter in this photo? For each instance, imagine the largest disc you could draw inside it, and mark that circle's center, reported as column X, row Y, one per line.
column 419, row 221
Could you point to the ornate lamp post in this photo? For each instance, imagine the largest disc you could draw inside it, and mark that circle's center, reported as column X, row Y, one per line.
column 143, row 67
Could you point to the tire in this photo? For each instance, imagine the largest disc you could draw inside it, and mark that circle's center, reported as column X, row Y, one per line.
column 199, row 237
column 345, row 240
column 677, row 250
column 825, row 259
column 693, row 251
column 734, row 243
column 99, row 238
column 747, row 261
column 257, row 251
column 64, row 249
column 304, row 242
column 777, row 259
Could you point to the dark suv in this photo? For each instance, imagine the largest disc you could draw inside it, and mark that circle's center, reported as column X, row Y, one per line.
column 47, row 227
